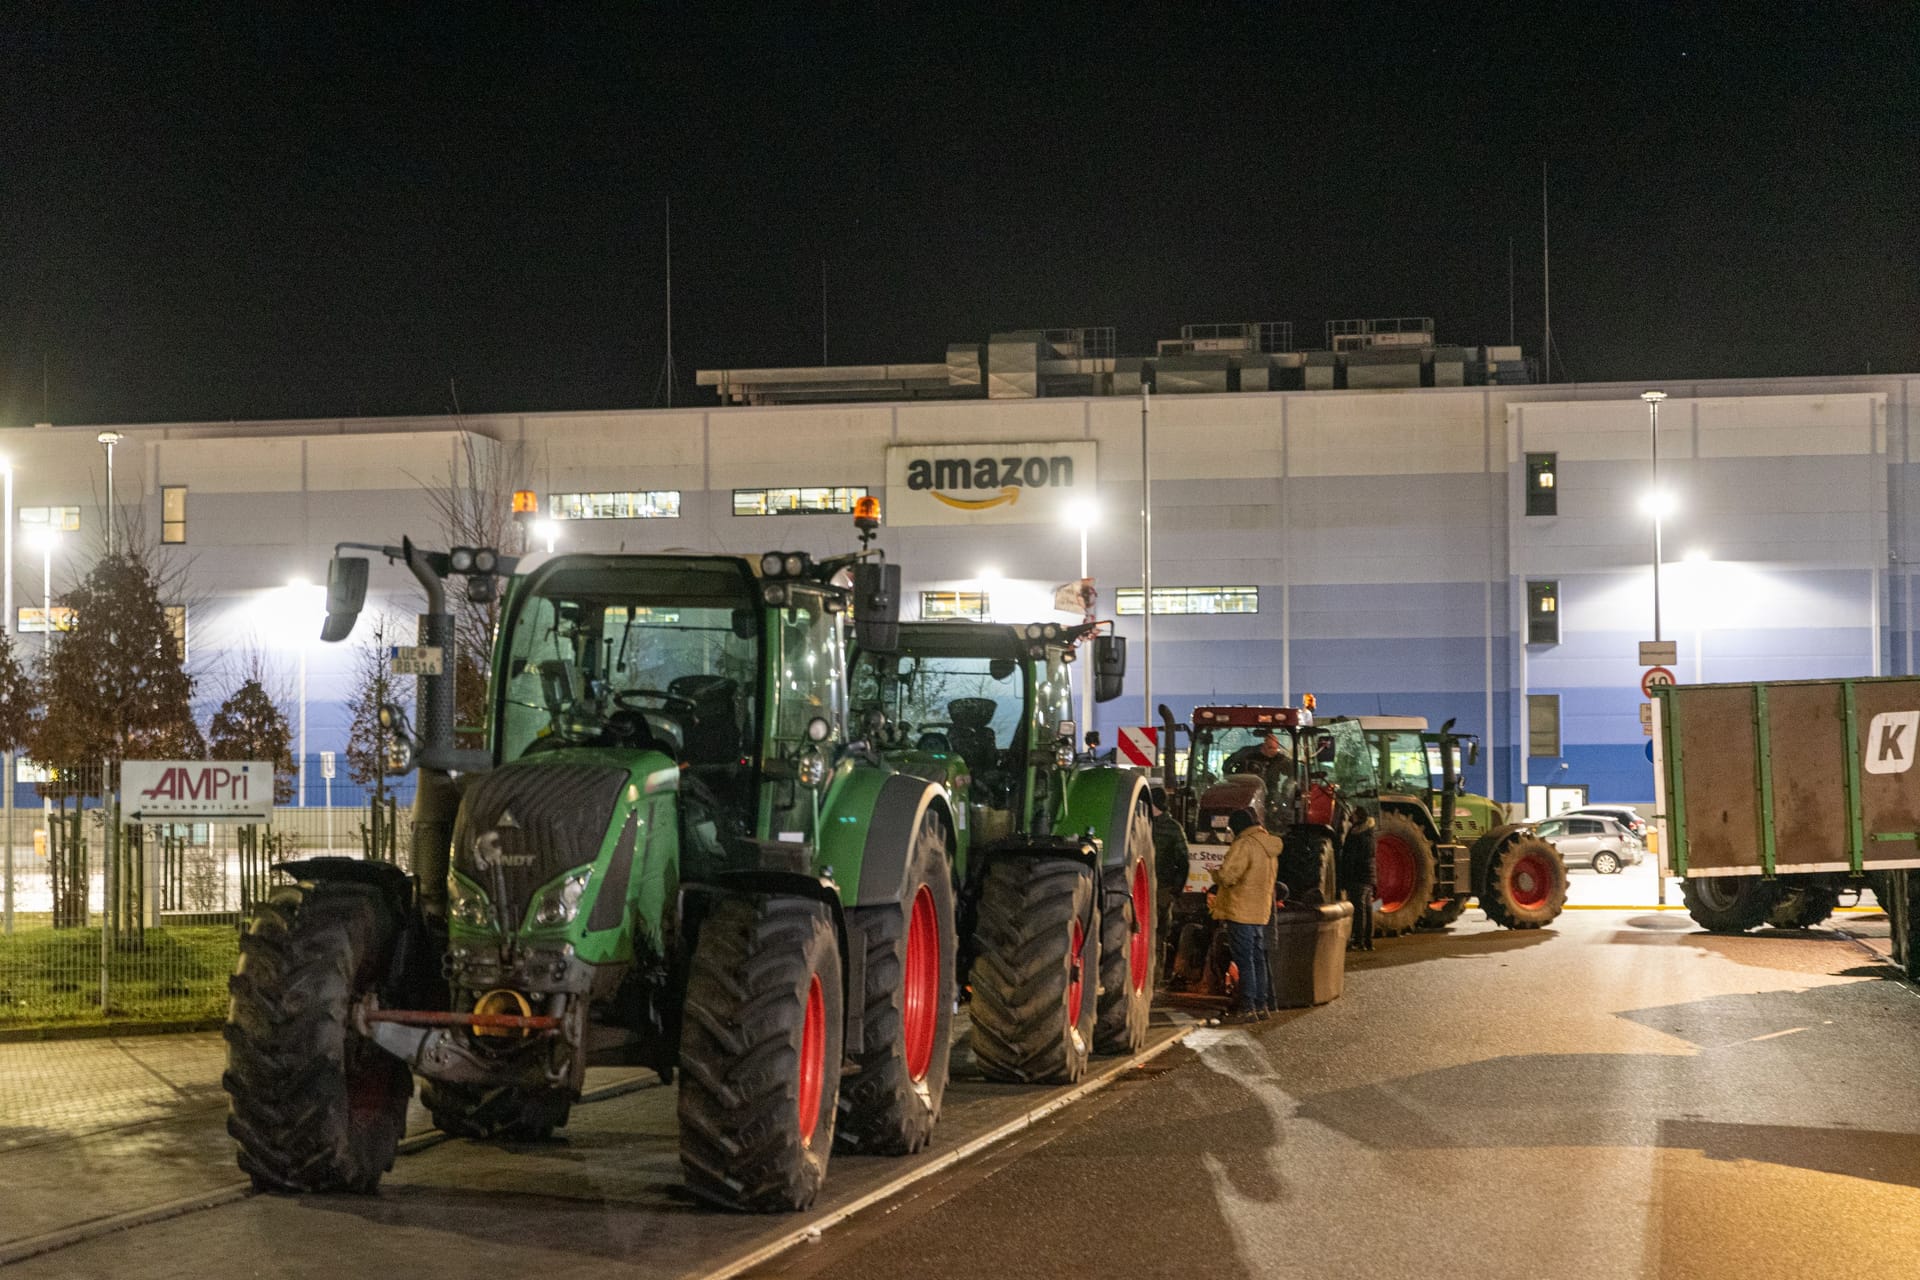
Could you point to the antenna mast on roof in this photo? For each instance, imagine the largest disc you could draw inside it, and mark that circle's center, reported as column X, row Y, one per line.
column 666, row 368
column 1546, row 284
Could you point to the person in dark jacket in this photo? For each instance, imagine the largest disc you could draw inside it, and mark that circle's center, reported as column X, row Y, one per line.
column 1358, row 875
column 1169, row 868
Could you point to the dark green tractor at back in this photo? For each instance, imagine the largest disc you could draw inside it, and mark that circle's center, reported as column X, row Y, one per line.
column 1053, row 865
column 671, row 853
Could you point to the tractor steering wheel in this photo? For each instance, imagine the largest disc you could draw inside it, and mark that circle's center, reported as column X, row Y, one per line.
column 672, row 703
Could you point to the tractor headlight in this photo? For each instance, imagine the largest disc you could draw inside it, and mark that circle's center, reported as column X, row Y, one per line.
column 770, row 564
column 1063, row 755
column 795, row 564
column 468, row 905
column 559, row 903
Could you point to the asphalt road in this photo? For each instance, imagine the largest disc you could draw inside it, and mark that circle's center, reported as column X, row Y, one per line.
column 1617, row 1096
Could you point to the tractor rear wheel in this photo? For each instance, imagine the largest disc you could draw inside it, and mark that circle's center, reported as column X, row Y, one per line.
column 475, row 1111
column 1729, row 904
column 891, row 1106
column 1442, row 912
column 1129, row 908
column 1037, row 966
column 1403, row 875
column 1526, row 884
column 760, row 1054
column 313, row 1105
column 1803, row 907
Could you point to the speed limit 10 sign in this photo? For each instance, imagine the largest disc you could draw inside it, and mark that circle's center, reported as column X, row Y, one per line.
column 1655, row 676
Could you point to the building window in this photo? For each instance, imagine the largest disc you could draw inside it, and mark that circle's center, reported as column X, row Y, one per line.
column 1191, row 600
column 63, row 519
column 648, row 504
column 35, row 619
column 177, row 623
column 173, row 513
column 25, row 770
column 1543, row 613
column 1543, row 724
column 954, row 604
column 1542, row 498
column 797, row 502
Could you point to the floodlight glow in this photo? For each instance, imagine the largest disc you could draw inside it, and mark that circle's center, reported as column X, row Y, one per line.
column 1658, row 503
column 42, row 537
column 1081, row 513
column 988, row 575
column 545, row 532
column 1699, row 555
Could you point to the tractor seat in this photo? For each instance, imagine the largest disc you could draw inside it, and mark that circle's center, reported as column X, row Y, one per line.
column 972, row 733
column 713, row 736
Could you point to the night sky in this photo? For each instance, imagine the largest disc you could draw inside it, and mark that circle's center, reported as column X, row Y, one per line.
column 263, row 213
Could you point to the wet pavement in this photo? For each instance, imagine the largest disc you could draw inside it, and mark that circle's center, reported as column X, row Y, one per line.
column 1619, row 1095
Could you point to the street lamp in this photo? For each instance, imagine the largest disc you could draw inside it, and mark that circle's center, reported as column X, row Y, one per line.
column 300, row 589
column 46, row 537
column 1658, row 504
column 1082, row 514
column 110, row 439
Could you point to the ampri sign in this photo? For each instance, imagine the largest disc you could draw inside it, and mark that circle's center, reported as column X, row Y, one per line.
column 196, row 790
column 1001, row 483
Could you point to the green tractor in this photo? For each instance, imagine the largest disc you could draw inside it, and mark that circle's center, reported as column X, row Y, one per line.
column 1438, row 845
column 670, row 854
column 1054, row 863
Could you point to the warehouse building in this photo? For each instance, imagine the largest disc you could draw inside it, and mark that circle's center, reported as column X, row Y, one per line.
column 1391, row 524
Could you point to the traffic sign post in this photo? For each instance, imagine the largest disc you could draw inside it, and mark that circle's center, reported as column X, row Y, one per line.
column 1655, row 677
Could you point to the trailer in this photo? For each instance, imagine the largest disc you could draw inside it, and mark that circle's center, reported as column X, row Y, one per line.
column 1776, row 800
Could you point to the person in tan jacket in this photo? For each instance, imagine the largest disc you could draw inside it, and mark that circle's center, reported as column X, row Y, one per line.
column 1243, row 898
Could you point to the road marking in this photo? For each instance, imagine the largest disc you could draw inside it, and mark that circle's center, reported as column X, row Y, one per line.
column 1775, row 1035
column 812, row 1229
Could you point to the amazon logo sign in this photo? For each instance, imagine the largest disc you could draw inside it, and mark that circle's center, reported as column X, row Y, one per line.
column 996, row 483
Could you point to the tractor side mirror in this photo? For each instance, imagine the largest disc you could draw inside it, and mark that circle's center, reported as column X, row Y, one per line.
column 876, row 606
column 1109, row 667
column 346, row 596
column 1473, row 753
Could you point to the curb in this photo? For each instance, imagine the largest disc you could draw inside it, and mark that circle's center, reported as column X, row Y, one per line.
column 105, row 1030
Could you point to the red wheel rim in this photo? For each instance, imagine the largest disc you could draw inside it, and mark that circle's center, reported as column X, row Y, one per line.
column 1530, row 881
column 1076, row 973
column 1140, row 946
column 813, row 1060
column 922, row 994
column 1393, row 868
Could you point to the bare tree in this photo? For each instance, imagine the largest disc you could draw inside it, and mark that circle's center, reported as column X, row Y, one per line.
column 475, row 509
column 374, row 685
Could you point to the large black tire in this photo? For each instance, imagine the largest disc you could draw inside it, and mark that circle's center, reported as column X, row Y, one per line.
column 1526, row 884
column 1441, row 913
column 1037, row 969
column 760, row 1054
column 517, row 1115
column 1129, row 909
column 1803, row 907
column 313, row 1105
column 892, row 1105
column 1403, row 875
column 1729, row 904
column 1190, row 957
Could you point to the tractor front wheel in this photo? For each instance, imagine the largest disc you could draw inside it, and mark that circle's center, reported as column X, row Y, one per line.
column 313, row 1105
column 1128, row 948
column 517, row 1115
column 1037, row 967
column 1729, row 904
column 1526, row 884
column 1403, row 875
column 1442, row 912
column 760, row 1054
column 891, row 1106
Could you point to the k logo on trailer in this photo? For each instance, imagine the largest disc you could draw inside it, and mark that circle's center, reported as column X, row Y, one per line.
column 1891, row 741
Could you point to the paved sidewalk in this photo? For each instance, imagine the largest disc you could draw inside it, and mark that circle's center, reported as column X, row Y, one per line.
column 54, row 1090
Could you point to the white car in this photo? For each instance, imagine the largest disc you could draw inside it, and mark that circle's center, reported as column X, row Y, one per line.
column 1588, row 840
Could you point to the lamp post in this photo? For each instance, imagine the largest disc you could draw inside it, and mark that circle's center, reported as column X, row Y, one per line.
column 47, row 538
column 1657, row 502
column 6, row 757
column 1082, row 515
column 110, row 439
column 298, row 588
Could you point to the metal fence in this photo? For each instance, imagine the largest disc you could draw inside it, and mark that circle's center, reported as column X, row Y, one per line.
column 140, row 922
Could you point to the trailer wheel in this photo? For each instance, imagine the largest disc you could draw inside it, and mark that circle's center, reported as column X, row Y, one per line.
column 1803, row 907
column 1036, row 970
column 892, row 1105
column 518, row 1115
column 1729, row 904
column 1128, row 909
column 313, row 1105
column 1442, row 912
column 760, row 1054
column 1403, row 875
column 1526, row 884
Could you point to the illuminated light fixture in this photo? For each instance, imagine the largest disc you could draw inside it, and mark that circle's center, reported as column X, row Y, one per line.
column 1658, row 503
column 1699, row 555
